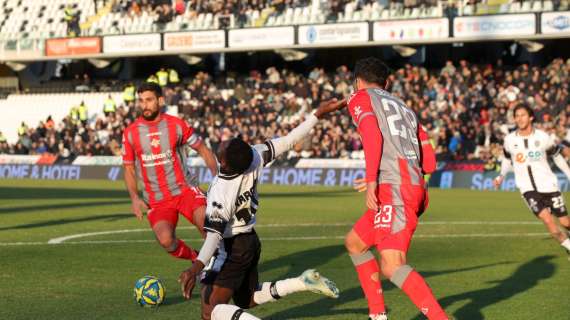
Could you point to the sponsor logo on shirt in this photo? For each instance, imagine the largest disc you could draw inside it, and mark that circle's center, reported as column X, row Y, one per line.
column 530, row 156
column 164, row 157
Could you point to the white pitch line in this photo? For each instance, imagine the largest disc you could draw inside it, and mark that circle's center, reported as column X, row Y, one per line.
column 429, row 236
column 278, row 225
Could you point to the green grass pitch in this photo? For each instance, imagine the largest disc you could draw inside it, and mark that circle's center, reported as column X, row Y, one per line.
column 483, row 253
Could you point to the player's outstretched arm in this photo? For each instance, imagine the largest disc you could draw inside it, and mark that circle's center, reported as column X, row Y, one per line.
column 208, row 157
column 281, row 145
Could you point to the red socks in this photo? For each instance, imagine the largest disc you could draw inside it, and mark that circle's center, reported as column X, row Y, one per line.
column 419, row 292
column 369, row 276
column 183, row 251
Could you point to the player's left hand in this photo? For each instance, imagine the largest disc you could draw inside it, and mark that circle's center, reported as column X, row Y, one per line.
column 359, row 184
column 371, row 199
column 329, row 106
column 187, row 278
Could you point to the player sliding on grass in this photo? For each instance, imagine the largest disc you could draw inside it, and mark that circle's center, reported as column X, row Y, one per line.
column 230, row 220
column 154, row 146
column 526, row 151
column 398, row 154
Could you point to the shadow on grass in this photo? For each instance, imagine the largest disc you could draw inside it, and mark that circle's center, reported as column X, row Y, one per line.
column 527, row 276
column 57, row 222
column 315, row 258
column 59, row 193
column 44, row 207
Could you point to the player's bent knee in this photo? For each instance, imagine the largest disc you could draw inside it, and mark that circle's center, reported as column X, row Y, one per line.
column 167, row 242
column 353, row 244
column 390, row 268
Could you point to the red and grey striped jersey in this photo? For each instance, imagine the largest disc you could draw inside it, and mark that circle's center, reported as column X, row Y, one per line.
column 391, row 137
column 158, row 150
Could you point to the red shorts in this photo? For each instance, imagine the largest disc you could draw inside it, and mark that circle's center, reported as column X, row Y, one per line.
column 394, row 224
column 184, row 203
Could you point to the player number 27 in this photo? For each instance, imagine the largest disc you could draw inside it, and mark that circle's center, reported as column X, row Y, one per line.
column 396, row 121
column 384, row 215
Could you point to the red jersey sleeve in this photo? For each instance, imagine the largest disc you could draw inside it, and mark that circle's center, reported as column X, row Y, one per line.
column 428, row 154
column 360, row 109
column 128, row 151
column 189, row 137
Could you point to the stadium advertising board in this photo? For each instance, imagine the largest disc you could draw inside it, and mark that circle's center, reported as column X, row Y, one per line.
column 189, row 41
column 134, row 43
column 22, row 49
column 555, row 22
column 486, row 27
column 482, row 180
column 273, row 175
column 72, row 46
column 261, row 37
column 334, row 33
column 403, row 30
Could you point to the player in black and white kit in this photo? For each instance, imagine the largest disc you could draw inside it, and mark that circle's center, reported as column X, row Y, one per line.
column 230, row 220
column 526, row 151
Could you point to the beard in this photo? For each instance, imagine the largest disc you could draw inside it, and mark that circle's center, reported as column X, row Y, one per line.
column 149, row 116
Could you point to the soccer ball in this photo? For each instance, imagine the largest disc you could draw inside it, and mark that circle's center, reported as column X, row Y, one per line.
column 149, row 291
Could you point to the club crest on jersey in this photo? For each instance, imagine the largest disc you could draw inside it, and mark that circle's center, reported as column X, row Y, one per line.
column 357, row 111
column 537, row 143
column 155, row 142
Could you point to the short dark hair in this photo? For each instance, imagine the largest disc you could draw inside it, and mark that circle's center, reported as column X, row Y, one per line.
column 239, row 155
column 525, row 107
column 372, row 70
column 150, row 86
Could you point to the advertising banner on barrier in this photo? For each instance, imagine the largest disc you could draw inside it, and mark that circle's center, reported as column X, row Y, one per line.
column 334, row 33
column 403, row 30
column 273, row 175
column 22, row 49
column 72, row 46
column 555, row 22
column 486, row 27
column 280, row 176
column 188, row 41
column 261, row 37
column 132, row 43
column 481, row 180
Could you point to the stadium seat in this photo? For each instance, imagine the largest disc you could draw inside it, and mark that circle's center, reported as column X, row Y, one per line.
column 547, row 6
column 537, row 6
column 526, row 6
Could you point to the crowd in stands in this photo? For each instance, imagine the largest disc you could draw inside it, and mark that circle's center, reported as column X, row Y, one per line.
column 466, row 109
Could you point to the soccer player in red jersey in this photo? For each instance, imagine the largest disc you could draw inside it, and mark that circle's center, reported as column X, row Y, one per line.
column 398, row 154
column 154, row 149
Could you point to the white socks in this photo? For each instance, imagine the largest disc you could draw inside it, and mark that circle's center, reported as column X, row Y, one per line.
column 566, row 244
column 230, row 312
column 271, row 291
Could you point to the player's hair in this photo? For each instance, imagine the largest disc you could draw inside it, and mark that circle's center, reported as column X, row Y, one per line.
column 372, row 70
column 525, row 107
column 239, row 156
column 150, row 86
